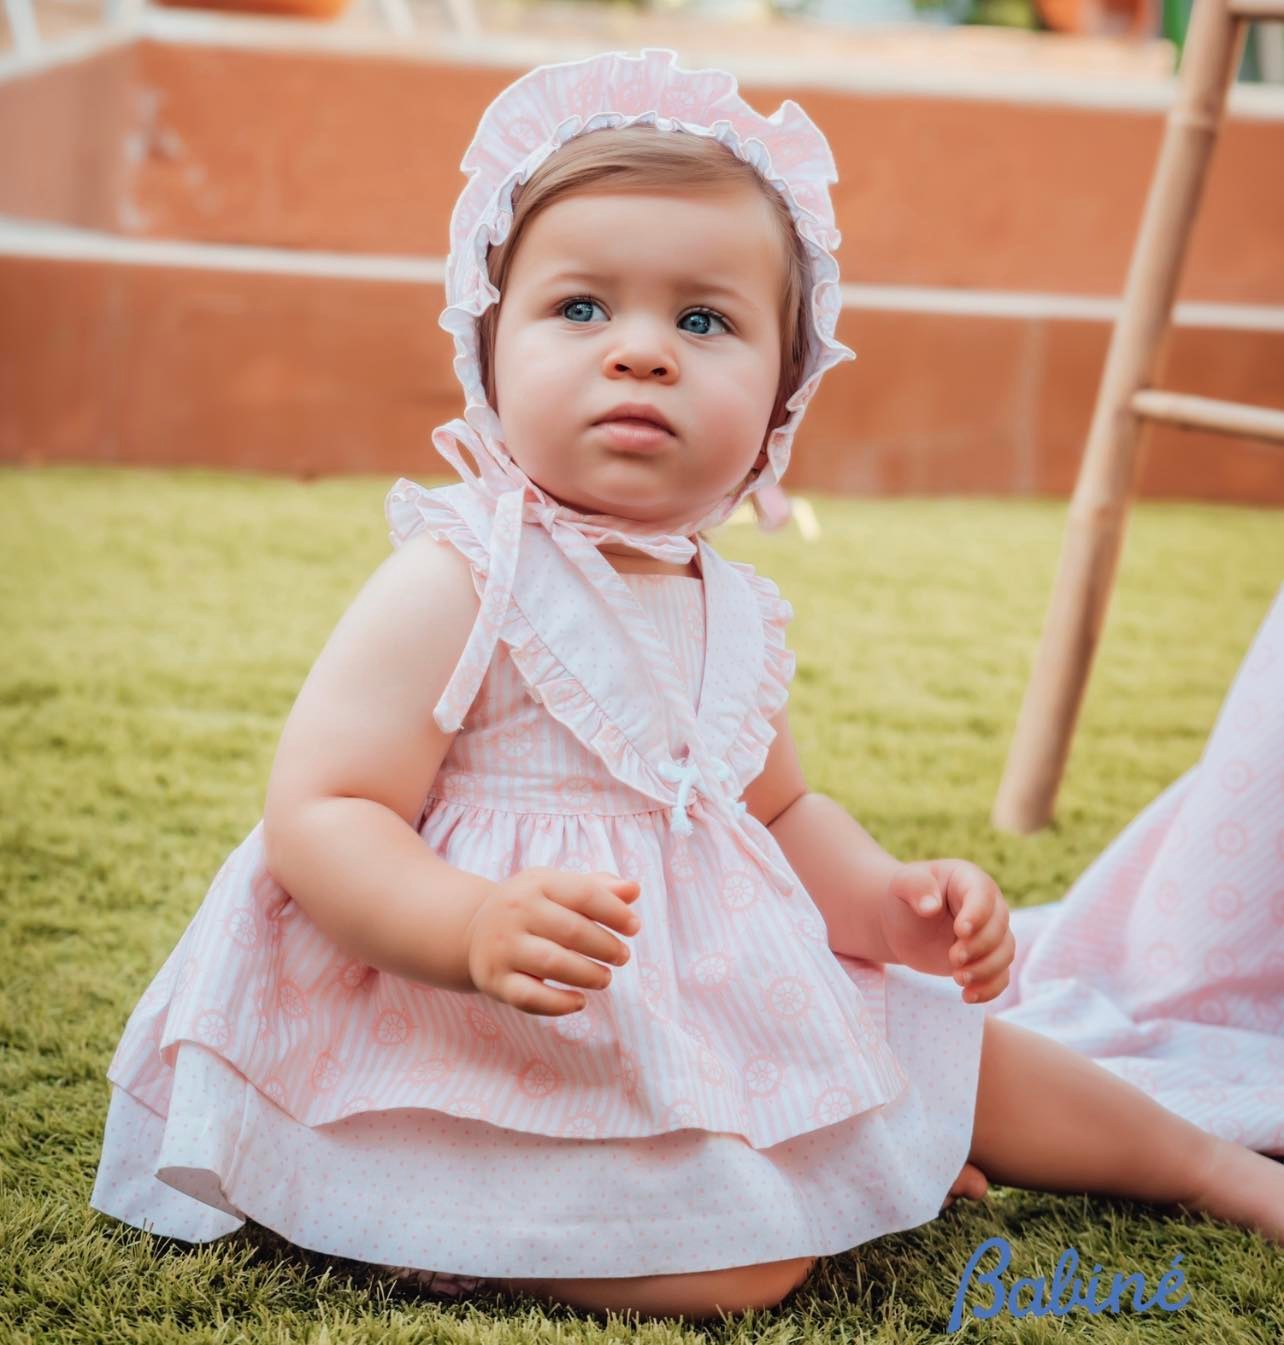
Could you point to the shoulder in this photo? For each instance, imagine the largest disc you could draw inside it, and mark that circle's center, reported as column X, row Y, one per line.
column 425, row 592
column 363, row 722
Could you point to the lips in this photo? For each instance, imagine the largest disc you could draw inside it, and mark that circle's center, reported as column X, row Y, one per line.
column 633, row 413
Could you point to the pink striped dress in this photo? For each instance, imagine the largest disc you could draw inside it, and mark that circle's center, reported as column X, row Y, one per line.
column 737, row 1094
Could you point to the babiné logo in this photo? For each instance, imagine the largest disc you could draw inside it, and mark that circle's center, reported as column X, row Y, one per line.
column 1035, row 1298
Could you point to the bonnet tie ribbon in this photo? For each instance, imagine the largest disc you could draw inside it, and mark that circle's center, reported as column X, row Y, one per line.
column 518, row 501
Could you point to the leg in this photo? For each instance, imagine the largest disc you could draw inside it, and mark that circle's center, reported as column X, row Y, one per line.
column 1049, row 1119
column 697, row 1295
column 970, row 1183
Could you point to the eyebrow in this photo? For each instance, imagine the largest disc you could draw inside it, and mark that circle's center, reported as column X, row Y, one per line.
column 680, row 282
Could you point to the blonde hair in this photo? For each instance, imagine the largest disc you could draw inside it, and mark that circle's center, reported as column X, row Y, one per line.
column 640, row 158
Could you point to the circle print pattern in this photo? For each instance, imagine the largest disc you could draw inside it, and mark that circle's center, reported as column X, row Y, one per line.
column 212, row 1028
column 1225, row 901
column 577, row 791
column 1236, row 776
column 481, row 1023
column 470, row 1108
column 1210, row 1008
column 516, row 741
column 576, row 1026
column 738, row 889
column 576, row 862
column 683, row 1113
column 430, row 1070
column 293, row 1002
column 628, row 1072
column 812, row 927
column 1231, row 838
column 788, row 996
column 457, row 786
column 1220, row 963
column 326, row 1072
column 241, row 929
column 712, row 970
column 711, row 1068
column 651, row 979
column 538, row 1078
column 762, row 1075
column 391, row 1028
column 363, row 1102
column 834, row 1104
column 682, row 861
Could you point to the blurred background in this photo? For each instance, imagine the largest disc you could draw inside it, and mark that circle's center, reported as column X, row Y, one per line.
column 223, row 226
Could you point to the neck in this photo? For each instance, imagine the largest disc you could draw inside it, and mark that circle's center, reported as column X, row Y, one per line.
column 627, row 561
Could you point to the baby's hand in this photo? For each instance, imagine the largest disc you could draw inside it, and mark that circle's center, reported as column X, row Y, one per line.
column 545, row 922
column 963, row 931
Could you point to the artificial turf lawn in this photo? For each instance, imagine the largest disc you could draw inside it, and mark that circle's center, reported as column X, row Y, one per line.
column 157, row 625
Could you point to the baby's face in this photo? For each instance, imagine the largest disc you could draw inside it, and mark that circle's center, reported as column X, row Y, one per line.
column 605, row 302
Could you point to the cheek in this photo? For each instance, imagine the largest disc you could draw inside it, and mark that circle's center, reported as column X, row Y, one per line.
column 743, row 394
column 530, row 369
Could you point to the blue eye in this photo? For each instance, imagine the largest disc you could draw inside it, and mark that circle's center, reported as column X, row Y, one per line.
column 589, row 304
column 707, row 313
column 576, row 303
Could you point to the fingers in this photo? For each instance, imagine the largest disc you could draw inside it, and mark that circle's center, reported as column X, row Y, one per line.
column 984, row 942
column 977, row 896
column 531, row 995
column 563, row 936
column 916, row 885
column 985, row 977
column 549, row 959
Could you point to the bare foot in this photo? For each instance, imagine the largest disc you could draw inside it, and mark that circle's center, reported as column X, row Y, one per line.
column 970, row 1182
column 1242, row 1187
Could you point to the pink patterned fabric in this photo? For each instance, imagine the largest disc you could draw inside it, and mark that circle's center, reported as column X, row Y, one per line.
column 743, row 1093
column 1165, row 961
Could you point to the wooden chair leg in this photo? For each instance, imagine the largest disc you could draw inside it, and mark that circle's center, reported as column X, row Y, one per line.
column 1099, row 507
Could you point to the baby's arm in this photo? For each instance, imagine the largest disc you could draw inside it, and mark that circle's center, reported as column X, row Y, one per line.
column 357, row 755
column 845, row 871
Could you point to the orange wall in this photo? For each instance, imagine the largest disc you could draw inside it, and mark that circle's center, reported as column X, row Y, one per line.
column 107, row 361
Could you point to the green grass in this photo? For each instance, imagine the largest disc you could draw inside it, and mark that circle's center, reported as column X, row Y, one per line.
column 157, row 625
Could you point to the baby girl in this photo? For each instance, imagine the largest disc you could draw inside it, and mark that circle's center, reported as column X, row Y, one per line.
column 544, row 967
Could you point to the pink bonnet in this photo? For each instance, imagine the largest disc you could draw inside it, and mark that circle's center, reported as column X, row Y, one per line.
column 530, row 120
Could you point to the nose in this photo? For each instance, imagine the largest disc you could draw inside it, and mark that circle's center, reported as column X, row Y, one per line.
column 640, row 351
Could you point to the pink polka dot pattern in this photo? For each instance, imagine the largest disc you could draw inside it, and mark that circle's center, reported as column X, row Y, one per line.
column 1165, row 961
column 743, row 1093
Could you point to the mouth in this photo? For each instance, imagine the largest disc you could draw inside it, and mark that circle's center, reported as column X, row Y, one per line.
column 636, row 413
column 631, row 434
